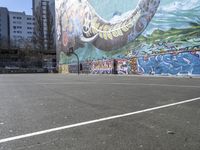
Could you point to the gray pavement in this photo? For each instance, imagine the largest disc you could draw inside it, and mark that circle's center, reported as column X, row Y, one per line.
column 36, row 102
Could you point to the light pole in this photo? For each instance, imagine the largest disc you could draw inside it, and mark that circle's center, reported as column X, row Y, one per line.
column 71, row 51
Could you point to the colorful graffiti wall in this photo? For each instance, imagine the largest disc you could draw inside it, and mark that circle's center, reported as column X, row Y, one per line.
column 145, row 36
column 64, row 69
column 123, row 66
column 102, row 67
column 183, row 63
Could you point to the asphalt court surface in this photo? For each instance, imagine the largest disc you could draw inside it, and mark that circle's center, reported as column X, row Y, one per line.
column 30, row 103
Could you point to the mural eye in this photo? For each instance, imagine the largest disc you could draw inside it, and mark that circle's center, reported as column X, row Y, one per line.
column 85, row 28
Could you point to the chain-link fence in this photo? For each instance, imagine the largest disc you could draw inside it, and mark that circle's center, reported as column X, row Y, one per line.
column 27, row 66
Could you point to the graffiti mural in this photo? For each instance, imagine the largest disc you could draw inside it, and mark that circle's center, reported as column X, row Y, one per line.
column 81, row 22
column 133, row 64
column 183, row 63
column 131, row 30
column 102, row 67
column 86, row 67
column 64, row 69
column 123, row 66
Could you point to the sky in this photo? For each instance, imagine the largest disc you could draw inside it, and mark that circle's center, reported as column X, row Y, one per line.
column 18, row 5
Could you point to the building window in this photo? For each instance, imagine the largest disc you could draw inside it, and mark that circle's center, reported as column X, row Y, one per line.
column 18, row 22
column 19, row 31
column 14, row 17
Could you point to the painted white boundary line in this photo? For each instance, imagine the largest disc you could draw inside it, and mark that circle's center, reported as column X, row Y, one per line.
column 167, row 85
column 93, row 121
column 115, row 83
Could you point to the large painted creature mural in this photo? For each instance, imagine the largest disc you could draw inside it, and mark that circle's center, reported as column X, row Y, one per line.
column 162, row 36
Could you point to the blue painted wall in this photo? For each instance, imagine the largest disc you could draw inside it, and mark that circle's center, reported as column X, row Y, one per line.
column 185, row 63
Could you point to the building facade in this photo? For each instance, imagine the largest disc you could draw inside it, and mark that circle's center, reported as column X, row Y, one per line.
column 4, row 28
column 44, row 31
column 46, row 10
column 21, row 29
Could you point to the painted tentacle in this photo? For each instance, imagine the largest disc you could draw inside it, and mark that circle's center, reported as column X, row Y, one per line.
column 108, row 35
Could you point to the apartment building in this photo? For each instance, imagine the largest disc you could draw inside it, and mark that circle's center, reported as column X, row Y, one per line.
column 21, row 28
column 46, row 8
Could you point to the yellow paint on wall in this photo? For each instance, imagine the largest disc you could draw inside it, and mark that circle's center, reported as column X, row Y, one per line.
column 64, row 69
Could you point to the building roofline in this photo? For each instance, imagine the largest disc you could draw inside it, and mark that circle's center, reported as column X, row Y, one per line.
column 4, row 8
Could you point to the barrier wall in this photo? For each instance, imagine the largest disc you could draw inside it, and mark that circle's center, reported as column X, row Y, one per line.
column 64, row 69
column 179, row 63
column 102, row 67
column 183, row 63
column 155, row 38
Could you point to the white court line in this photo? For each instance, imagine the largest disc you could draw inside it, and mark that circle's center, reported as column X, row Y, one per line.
column 93, row 121
column 115, row 83
column 167, row 85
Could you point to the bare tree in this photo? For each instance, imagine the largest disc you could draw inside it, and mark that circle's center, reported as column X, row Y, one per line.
column 4, row 43
column 14, row 43
column 38, row 34
column 43, row 36
column 29, row 57
column 50, row 29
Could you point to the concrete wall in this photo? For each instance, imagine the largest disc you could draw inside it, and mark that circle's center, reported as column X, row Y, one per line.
column 164, row 42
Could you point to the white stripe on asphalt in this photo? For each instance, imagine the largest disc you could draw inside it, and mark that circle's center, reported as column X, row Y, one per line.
column 93, row 121
column 115, row 83
column 167, row 85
